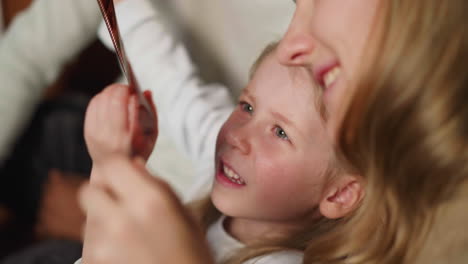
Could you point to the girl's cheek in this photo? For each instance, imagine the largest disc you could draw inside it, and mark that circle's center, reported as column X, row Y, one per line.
column 221, row 137
column 272, row 177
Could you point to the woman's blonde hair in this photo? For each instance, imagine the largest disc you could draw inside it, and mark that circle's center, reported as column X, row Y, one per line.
column 406, row 132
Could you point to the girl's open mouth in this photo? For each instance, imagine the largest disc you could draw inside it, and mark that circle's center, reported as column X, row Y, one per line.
column 228, row 176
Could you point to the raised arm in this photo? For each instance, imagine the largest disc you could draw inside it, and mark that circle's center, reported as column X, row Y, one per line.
column 190, row 111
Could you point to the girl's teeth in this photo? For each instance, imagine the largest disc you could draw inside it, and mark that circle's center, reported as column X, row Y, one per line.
column 231, row 175
column 331, row 76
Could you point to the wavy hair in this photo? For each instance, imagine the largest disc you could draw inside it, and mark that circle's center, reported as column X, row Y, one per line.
column 405, row 130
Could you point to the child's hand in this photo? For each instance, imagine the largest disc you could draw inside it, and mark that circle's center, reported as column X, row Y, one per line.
column 112, row 125
column 144, row 126
column 133, row 217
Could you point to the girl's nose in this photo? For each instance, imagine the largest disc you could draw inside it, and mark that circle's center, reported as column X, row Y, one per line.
column 239, row 139
column 298, row 45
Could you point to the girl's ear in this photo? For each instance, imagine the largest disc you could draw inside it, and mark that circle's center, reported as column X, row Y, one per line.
column 342, row 197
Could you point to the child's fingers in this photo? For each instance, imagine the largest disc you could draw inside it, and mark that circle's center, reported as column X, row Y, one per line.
column 133, row 113
column 92, row 117
column 106, row 125
column 117, row 108
column 143, row 126
column 101, row 106
column 149, row 97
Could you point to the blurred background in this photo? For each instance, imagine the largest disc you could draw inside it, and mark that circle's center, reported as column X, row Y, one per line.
column 51, row 64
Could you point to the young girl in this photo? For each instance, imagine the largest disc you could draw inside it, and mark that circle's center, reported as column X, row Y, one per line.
column 275, row 176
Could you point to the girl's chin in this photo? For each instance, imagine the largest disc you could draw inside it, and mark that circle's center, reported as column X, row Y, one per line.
column 227, row 205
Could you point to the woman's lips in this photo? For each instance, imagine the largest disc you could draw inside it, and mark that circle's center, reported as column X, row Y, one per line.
column 326, row 75
column 331, row 76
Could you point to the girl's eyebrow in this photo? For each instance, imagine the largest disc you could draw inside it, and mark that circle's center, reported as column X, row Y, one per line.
column 247, row 94
column 288, row 123
column 283, row 119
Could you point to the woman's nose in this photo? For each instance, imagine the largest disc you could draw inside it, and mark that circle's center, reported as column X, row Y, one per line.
column 298, row 45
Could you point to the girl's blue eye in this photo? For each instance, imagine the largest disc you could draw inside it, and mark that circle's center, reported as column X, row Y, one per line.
column 246, row 107
column 281, row 133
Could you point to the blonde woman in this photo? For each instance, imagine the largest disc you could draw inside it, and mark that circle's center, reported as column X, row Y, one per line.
column 393, row 81
column 403, row 64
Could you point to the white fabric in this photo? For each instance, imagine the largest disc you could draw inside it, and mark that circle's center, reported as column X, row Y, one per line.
column 232, row 31
column 33, row 50
column 224, row 245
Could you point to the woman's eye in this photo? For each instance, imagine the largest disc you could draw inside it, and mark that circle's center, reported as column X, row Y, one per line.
column 246, row 107
column 281, row 133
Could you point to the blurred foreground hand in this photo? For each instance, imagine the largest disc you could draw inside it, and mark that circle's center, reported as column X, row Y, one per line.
column 134, row 217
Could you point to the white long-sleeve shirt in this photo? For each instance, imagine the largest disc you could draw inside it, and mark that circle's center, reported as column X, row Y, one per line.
column 190, row 111
column 33, row 50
